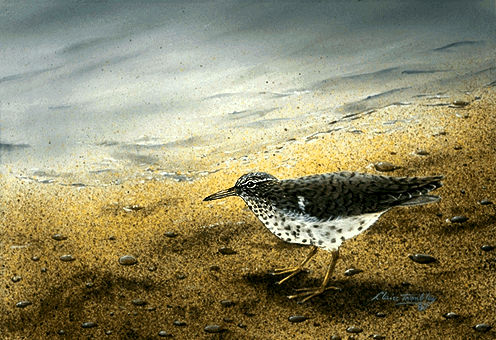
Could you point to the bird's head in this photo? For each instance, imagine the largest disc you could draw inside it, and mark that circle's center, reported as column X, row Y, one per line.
column 248, row 185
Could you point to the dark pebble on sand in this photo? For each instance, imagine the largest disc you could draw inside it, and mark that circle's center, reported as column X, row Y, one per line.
column 112, row 238
column 378, row 337
column 457, row 147
column 23, row 304
column 43, row 270
column 451, row 315
column 352, row 271
column 485, row 202
column 179, row 323
column 151, row 309
column 227, row 303
column 61, row 332
column 214, row 268
column 213, row 329
column 170, row 234
column 16, row 278
column 127, row 260
column 380, row 314
column 385, row 166
column 242, row 325
column 422, row 258
column 89, row 324
column 335, row 337
column 227, row 251
column 458, row 219
column 59, row 237
column 109, row 332
column 460, row 103
column 421, row 152
column 485, row 247
column 139, row 302
column 482, row 327
column 297, row 318
column 164, row 334
column 67, row 258
column 181, row 276
column 89, row 284
column 354, row 329
column 35, row 258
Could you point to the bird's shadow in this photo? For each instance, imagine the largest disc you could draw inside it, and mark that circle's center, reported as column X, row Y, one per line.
column 371, row 296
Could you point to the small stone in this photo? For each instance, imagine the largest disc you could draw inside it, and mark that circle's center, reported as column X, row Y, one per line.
column 422, row 258
column 35, row 258
column 179, row 323
column 482, row 327
column 242, row 325
column 127, row 260
column 59, row 237
column 228, row 320
column 421, row 152
column 109, row 332
column 458, row 219
column 139, row 302
column 152, row 268
column 214, row 268
column 227, row 303
column 378, row 337
column 181, row 276
column 335, row 337
column 485, row 247
column 380, row 314
column 354, row 329
column 130, row 208
column 227, row 251
column 451, row 315
column 485, row 202
column 297, row 318
column 112, row 238
column 89, row 324
column 164, row 334
column 16, row 278
column 23, row 304
column 385, row 166
column 61, row 332
column 213, row 329
column 170, row 234
column 460, row 103
column 457, row 147
column 89, row 284
column 151, row 309
column 43, row 270
column 352, row 271
column 67, row 258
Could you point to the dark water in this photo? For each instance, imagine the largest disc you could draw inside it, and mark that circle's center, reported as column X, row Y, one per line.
column 98, row 86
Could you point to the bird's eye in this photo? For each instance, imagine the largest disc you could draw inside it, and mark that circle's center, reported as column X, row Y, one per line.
column 250, row 185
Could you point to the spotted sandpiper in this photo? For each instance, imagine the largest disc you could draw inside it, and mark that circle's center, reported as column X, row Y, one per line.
column 324, row 210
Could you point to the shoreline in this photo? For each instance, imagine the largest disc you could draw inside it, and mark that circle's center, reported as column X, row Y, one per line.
column 182, row 276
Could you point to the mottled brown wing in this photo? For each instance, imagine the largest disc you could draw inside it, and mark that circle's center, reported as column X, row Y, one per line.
column 342, row 194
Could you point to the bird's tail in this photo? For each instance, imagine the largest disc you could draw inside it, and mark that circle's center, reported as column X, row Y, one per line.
column 423, row 199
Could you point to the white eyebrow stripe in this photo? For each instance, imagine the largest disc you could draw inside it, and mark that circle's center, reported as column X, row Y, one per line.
column 301, row 203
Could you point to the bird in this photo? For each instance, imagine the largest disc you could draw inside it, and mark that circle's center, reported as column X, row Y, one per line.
column 324, row 210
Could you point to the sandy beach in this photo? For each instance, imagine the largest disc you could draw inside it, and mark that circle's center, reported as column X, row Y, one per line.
column 202, row 269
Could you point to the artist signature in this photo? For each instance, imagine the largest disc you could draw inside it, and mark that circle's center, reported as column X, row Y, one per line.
column 422, row 300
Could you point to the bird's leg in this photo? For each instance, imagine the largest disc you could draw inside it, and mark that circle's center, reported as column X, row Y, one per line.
column 309, row 293
column 296, row 269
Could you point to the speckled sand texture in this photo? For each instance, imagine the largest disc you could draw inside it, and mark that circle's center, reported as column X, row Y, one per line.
column 180, row 279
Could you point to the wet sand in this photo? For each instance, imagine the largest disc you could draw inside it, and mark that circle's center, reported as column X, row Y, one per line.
column 181, row 280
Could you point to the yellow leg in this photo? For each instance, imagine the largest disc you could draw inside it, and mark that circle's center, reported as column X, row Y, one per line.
column 309, row 293
column 296, row 269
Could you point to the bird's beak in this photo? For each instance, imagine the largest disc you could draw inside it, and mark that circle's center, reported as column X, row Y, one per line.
column 221, row 194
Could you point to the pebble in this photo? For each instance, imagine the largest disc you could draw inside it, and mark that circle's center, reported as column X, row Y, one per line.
column 228, row 320
column 109, row 332
column 89, row 284
column 457, row 147
column 179, row 323
column 112, row 238
column 170, row 234
column 352, row 271
column 151, row 309
column 385, row 166
column 460, row 103
column 485, row 202
column 61, row 332
column 89, row 324
column 380, row 314
column 485, row 247
column 241, row 325
column 227, row 303
column 23, row 304
column 297, row 318
column 335, row 337
column 213, row 329
column 378, row 337
column 59, row 237
column 35, row 258
column 214, row 268
column 43, row 270
column 139, row 302
column 67, row 258
column 482, row 327
column 164, row 334
column 127, row 260
column 421, row 152
column 451, row 315
column 181, row 276
column 227, row 251
column 422, row 258
column 16, row 278
column 458, row 219
column 354, row 329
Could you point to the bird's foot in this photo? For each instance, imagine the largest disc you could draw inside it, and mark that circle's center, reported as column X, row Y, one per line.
column 292, row 271
column 310, row 292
